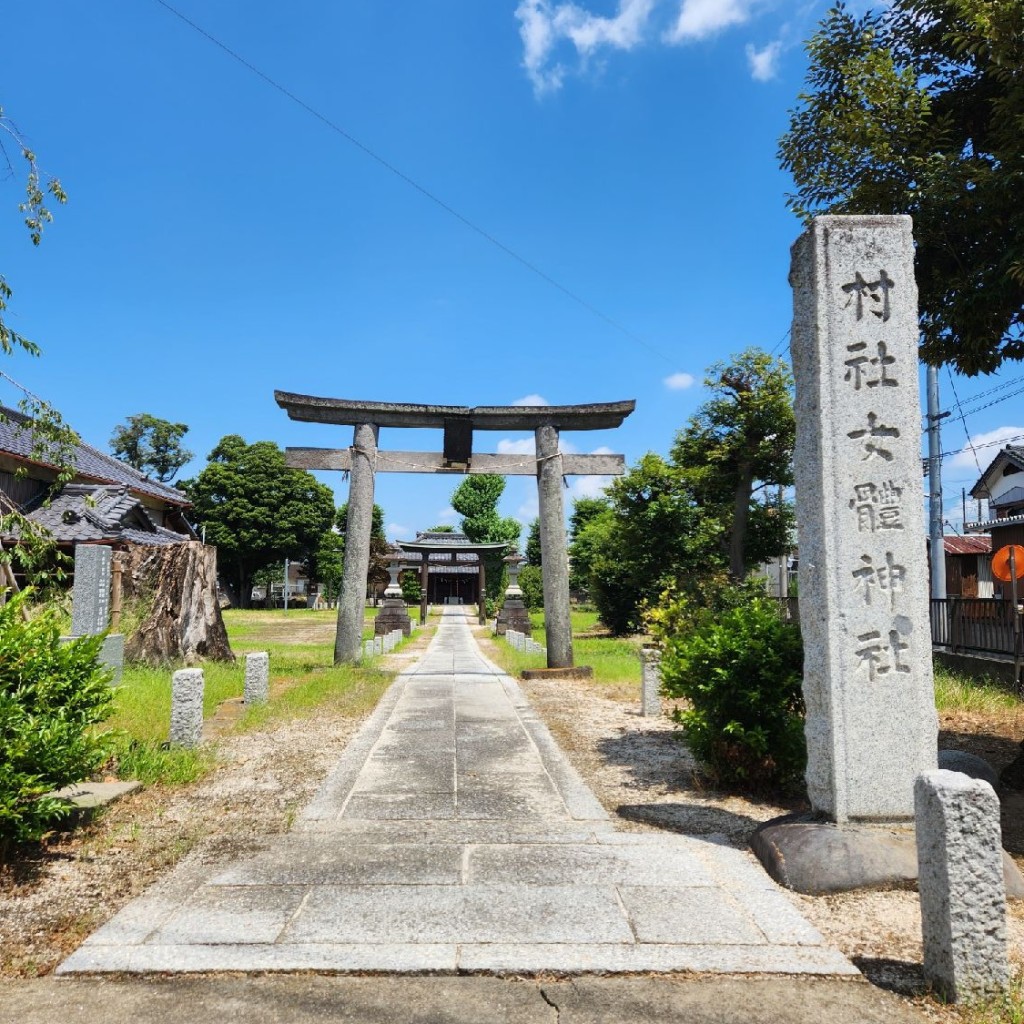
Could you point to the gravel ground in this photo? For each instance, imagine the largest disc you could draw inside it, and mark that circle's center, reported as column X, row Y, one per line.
column 645, row 777
column 52, row 898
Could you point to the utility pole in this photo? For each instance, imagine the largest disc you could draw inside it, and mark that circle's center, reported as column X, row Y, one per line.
column 286, row 584
column 938, row 553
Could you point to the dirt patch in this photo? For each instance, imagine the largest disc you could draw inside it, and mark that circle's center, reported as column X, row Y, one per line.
column 53, row 895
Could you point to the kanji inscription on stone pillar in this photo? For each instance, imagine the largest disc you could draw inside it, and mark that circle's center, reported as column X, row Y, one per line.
column 871, row 722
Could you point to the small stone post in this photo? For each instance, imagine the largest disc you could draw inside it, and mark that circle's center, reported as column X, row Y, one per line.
column 960, row 878
column 257, row 678
column 871, row 723
column 424, row 587
column 650, row 681
column 352, row 601
column 554, row 550
column 186, row 707
column 481, row 606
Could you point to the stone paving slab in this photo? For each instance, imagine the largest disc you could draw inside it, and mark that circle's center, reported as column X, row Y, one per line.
column 454, row 836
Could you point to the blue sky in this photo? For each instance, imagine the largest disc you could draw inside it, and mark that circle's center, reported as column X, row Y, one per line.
column 220, row 241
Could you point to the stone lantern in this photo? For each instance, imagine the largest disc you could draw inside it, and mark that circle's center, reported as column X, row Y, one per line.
column 393, row 615
column 513, row 614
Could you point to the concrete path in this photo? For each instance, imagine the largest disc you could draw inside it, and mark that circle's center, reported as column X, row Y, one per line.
column 455, row 836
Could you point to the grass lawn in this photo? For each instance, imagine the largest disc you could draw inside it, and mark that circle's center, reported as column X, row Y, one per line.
column 615, row 660
column 303, row 680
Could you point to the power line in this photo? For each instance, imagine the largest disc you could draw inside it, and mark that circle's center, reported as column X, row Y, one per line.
column 423, row 190
column 963, row 419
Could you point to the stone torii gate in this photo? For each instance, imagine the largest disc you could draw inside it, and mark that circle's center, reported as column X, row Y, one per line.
column 362, row 460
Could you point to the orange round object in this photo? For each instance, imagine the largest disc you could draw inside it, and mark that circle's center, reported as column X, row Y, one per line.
column 1001, row 562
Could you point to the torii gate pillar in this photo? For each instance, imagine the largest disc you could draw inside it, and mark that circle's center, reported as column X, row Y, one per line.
column 352, row 602
column 553, row 548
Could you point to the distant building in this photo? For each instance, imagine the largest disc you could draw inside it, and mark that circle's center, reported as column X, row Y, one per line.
column 968, row 566
column 1002, row 484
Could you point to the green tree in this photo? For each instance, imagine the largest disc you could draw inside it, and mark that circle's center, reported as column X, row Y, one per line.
column 326, row 563
column 151, row 445
column 443, row 528
column 534, row 556
column 738, row 442
column 476, row 500
column 652, row 533
column 917, row 107
column 256, row 510
column 584, row 511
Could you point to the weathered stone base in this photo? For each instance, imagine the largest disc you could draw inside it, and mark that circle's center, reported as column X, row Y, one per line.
column 812, row 856
column 513, row 615
column 391, row 617
column 575, row 672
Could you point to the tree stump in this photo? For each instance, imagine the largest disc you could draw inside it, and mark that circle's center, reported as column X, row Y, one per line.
column 177, row 585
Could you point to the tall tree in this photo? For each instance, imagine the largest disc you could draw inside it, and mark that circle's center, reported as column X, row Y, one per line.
column 581, row 543
column 534, row 555
column 476, row 500
column 151, row 445
column 256, row 510
column 739, row 441
column 917, row 107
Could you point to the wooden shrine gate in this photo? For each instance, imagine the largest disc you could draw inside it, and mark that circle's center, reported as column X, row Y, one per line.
column 362, row 460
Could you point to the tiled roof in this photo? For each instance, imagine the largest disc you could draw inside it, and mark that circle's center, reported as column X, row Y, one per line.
column 16, row 438
column 970, row 545
column 87, row 512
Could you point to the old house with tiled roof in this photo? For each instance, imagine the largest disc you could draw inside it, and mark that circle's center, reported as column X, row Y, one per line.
column 1002, row 485
column 107, row 502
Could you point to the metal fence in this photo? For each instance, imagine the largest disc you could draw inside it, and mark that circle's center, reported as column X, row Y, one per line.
column 977, row 624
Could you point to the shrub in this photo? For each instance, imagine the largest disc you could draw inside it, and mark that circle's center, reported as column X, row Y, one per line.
column 741, row 670
column 531, row 583
column 51, row 696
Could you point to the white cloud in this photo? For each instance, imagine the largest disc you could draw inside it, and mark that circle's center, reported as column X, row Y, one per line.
column 543, row 24
column 988, row 445
column 764, row 63
column 528, row 446
column 699, row 19
column 447, row 516
column 397, row 530
column 522, row 446
column 531, row 400
column 679, row 381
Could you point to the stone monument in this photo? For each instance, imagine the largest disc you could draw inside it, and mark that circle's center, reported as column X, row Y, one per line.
column 90, row 604
column 871, row 724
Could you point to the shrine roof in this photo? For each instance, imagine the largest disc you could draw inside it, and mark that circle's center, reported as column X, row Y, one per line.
column 596, row 416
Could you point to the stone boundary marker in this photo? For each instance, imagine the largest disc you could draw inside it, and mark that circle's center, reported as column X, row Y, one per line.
column 257, row 678
column 187, row 687
column 960, row 878
column 383, row 644
column 650, row 681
